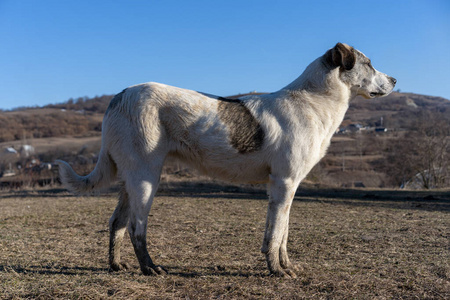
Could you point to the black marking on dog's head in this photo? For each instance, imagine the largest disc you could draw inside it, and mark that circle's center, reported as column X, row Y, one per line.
column 245, row 133
column 342, row 56
column 115, row 101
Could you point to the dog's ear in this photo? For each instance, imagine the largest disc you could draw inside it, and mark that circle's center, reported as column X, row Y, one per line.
column 343, row 56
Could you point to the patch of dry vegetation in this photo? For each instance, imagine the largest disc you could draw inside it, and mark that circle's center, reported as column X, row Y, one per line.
column 42, row 123
column 354, row 244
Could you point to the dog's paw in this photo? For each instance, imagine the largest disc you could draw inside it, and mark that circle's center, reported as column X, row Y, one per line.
column 293, row 268
column 290, row 273
column 154, row 270
column 118, row 267
column 286, row 273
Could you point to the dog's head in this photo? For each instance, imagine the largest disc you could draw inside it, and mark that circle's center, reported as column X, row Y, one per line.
column 356, row 71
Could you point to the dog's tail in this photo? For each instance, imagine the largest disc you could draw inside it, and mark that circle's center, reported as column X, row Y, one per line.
column 105, row 171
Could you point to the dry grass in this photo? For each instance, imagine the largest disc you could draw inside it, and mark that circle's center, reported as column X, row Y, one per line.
column 355, row 244
column 45, row 145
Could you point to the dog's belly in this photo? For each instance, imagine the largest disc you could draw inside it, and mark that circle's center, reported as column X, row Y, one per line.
column 239, row 169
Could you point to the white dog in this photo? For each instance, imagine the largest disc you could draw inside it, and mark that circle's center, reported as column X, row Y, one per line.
column 274, row 138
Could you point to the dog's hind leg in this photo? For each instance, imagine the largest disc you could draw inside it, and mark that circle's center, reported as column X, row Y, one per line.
column 141, row 188
column 117, row 227
column 281, row 194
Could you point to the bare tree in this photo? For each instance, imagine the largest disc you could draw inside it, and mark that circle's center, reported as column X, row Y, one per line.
column 421, row 158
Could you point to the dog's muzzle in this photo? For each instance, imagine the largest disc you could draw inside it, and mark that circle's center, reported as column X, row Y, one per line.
column 392, row 80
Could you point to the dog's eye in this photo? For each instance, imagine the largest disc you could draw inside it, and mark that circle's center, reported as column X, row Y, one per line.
column 370, row 64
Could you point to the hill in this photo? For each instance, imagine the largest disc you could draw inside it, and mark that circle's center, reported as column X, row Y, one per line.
column 398, row 110
column 82, row 117
column 377, row 137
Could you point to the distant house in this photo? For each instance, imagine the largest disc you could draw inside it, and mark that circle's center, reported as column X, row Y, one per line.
column 381, row 129
column 351, row 128
column 26, row 150
column 10, row 150
column 358, row 184
column 354, row 127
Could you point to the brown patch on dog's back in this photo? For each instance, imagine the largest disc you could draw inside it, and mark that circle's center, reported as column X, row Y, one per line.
column 245, row 133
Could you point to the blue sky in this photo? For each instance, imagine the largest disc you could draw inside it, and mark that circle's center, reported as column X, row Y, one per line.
column 51, row 51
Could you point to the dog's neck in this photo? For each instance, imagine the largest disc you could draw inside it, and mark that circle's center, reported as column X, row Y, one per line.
column 320, row 90
column 320, row 79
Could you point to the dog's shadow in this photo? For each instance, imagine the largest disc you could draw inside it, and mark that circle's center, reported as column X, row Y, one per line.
column 51, row 270
column 194, row 272
column 197, row 272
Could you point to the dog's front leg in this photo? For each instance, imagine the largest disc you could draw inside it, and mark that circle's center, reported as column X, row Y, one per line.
column 281, row 194
column 284, row 258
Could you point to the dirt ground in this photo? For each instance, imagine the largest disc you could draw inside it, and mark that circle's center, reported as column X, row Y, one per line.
column 350, row 244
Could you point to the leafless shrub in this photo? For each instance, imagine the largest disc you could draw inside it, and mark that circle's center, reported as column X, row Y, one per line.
column 423, row 153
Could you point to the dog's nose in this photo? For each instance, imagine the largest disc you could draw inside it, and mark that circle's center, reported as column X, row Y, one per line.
column 393, row 80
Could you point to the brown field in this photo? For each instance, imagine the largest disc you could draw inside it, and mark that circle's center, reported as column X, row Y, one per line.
column 350, row 244
column 69, row 143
